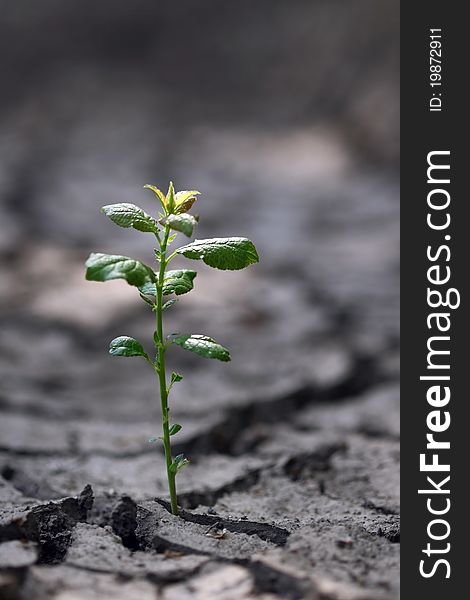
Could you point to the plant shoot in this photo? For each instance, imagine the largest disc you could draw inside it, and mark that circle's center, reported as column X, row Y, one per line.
column 158, row 289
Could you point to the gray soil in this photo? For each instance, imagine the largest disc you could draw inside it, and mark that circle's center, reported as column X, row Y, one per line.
column 293, row 487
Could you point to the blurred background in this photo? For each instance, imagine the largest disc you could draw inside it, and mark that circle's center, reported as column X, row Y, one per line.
column 285, row 116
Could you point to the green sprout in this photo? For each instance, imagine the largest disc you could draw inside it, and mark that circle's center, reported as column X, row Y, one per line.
column 231, row 253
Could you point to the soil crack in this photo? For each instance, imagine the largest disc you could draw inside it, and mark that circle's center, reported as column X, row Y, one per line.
column 50, row 525
column 269, row 533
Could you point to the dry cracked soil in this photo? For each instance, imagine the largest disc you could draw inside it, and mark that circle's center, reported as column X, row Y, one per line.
column 293, row 487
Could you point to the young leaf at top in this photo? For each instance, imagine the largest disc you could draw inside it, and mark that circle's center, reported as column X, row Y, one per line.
column 202, row 345
column 175, row 428
column 184, row 223
column 222, row 253
column 158, row 193
column 184, row 200
column 170, row 198
column 178, row 282
column 104, row 267
column 126, row 346
column 130, row 215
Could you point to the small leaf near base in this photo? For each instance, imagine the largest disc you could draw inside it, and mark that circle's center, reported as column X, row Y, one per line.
column 175, row 428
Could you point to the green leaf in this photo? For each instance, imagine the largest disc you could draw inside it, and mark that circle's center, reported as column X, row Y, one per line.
column 103, row 267
column 184, row 195
column 176, row 377
column 222, row 253
column 158, row 193
column 183, row 223
column 172, row 238
column 175, row 428
column 184, row 200
column 202, row 345
column 130, row 215
column 170, row 198
column 178, row 282
column 178, row 463
column 186, row 206
column 148, row 292
column 126, row 346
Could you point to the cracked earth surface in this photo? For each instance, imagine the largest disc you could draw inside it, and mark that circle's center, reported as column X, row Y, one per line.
column 293, row 487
